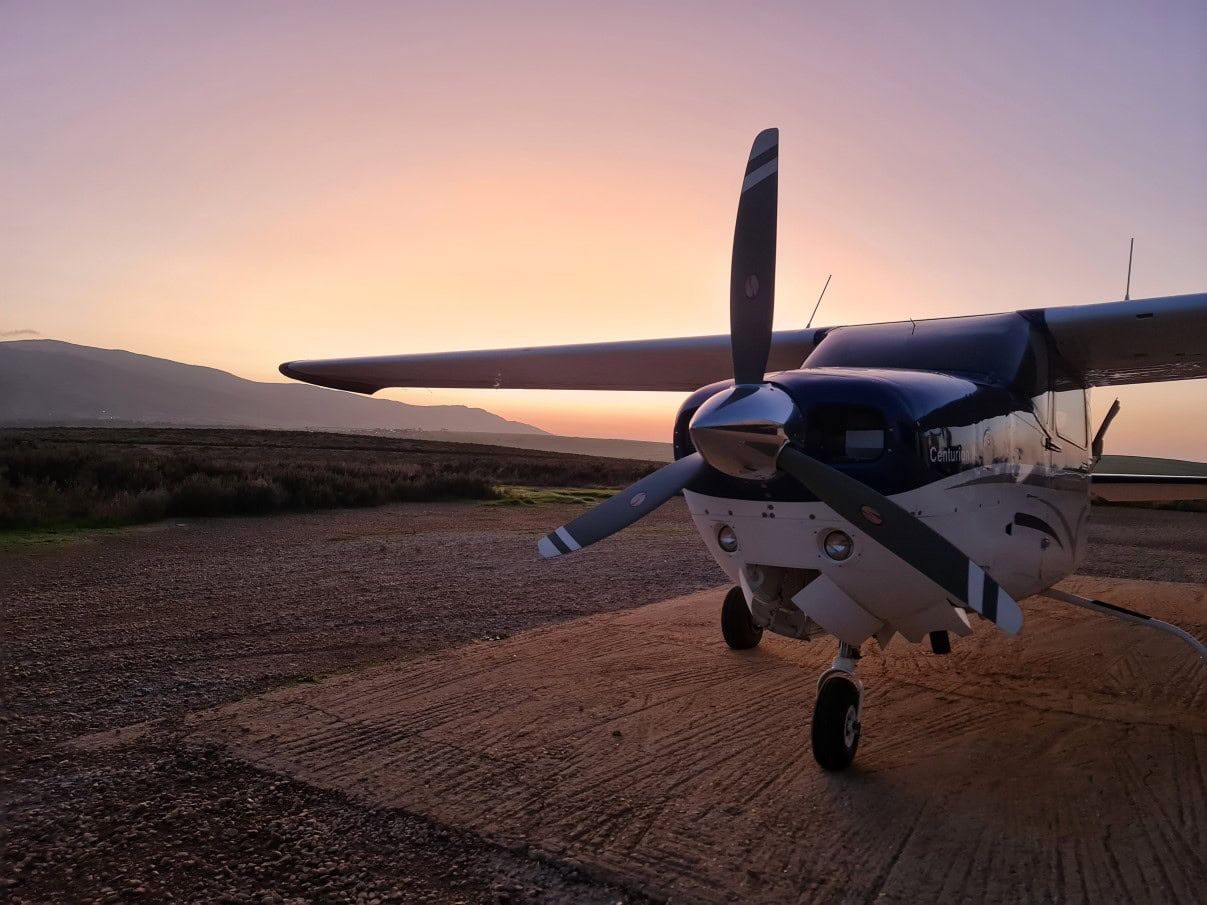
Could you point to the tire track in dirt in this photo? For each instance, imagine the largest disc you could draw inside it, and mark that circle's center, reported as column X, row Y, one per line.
column 637, row 744
column 160, row 621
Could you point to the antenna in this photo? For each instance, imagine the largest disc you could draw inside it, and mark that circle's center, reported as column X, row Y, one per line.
column 818, row 305
column 1127, row 293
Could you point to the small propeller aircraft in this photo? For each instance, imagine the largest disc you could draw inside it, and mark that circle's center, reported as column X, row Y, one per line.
column 862, row 481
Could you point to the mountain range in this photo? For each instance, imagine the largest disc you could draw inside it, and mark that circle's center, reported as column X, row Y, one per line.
column 49, row 382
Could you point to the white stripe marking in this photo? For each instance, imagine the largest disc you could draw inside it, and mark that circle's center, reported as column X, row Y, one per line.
column 976, row 587
column 567, row 539
column 547, row 549
column 1009, row 614
column 760, row 174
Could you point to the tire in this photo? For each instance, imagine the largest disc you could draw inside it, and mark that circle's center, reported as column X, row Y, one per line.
column 737, row 625
column 836, row 726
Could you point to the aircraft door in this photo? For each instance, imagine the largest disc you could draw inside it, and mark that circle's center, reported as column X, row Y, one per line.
column 1063, row 505
column 1043, row 415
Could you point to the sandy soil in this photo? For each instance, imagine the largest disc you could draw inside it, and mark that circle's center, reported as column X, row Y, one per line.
column 161, row 621
column 636, row 743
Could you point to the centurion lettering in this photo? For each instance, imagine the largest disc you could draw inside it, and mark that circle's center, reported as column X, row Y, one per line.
column 947, row 455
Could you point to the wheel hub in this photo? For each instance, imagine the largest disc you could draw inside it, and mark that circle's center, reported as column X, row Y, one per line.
column 850, row 727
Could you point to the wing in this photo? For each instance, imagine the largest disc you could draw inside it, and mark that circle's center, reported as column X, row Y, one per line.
column 1109, row 343
column 1140, row 341
column 1147, row 488
column 683, row 364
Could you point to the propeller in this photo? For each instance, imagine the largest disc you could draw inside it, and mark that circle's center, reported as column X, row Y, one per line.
column 752, row 268
column 620, row 511
column 751, row 306
column 907, row 537
column 754, row 431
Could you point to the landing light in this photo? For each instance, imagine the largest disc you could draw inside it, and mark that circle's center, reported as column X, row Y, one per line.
column 727, row 538
column 838, row 545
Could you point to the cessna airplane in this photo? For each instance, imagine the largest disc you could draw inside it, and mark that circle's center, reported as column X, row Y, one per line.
column 862, row 481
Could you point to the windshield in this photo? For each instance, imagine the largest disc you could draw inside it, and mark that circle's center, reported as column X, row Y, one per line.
column 991, row 348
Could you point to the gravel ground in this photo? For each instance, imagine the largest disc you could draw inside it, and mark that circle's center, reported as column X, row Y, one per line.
column 155, row 622
column 1146, row 544
column 152, row 623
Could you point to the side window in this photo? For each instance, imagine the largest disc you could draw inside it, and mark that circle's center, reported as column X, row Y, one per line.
column 1069, row 416
column 1043, row 408
column 845, row 433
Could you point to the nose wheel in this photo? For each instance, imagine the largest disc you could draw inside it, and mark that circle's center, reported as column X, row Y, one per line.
column 836, row 715
column 737, row 625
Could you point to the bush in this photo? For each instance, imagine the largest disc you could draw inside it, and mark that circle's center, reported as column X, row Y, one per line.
column 88, row 477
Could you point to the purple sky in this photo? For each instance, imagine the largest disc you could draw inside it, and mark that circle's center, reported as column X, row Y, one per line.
column 238, row 184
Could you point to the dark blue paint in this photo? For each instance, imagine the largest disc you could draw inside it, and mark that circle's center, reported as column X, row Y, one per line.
column 990, row 348
column 956, row 395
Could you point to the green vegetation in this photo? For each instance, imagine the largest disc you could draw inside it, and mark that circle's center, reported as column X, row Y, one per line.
column 633, row 450
column 1174, row 505
column 85, row 478
column 56, row 481
column 1147, row 465
column 533, row 496
column 48, row 538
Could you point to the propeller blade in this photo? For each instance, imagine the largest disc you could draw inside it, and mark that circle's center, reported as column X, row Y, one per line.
column 752, row 272
column 618, row 512
column 907, row 537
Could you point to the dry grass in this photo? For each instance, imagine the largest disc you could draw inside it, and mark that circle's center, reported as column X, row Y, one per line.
column 532, row 496
column 85, row 477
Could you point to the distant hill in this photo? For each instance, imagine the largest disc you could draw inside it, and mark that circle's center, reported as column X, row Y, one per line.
column 641, row 450
column 1147, row 465
column 48, row 382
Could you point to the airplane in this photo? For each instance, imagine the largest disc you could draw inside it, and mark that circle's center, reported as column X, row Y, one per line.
column 862, row 481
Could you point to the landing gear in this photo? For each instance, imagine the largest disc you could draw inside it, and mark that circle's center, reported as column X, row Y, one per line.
column 836, row 716
column 737, row 625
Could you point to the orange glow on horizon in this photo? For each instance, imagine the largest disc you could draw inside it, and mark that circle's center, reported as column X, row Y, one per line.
column 238, row 185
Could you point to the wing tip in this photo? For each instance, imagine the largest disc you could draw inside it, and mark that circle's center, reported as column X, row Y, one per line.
column 546, row 548
column 295, row 370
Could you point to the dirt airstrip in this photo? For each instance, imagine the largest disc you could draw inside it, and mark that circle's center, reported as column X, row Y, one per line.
column 170, row 733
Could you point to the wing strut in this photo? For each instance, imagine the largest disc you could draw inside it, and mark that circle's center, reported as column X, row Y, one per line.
column 1096, row 447
column 1109, row 609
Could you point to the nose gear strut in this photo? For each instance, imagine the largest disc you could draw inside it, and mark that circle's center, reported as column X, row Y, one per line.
column 837, row 715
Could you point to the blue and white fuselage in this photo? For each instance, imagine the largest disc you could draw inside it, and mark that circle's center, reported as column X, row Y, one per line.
column 996, row 458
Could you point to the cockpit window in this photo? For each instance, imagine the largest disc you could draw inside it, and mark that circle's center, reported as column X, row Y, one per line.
column 837, row 434
column 1069, row 409
column 990, row 347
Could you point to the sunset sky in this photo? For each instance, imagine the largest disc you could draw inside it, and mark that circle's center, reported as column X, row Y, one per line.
column 239, row 184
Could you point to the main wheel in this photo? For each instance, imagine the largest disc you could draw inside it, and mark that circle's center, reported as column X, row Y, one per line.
column 737, row 625
column 836, row 723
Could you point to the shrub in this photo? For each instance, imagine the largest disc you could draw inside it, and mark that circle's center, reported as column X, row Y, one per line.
column 102, row 477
